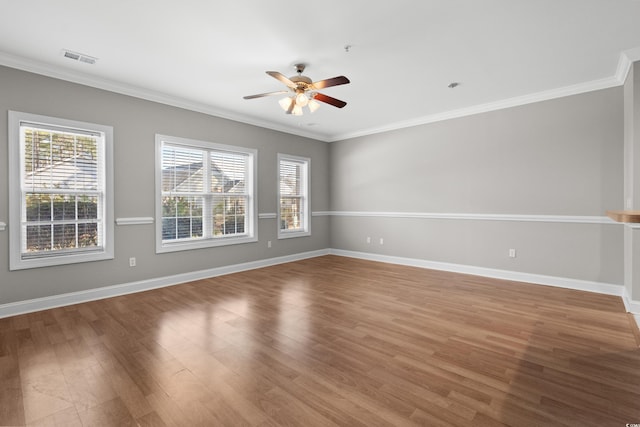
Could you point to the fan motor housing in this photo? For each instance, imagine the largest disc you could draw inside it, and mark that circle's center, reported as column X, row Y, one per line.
column 302, row 83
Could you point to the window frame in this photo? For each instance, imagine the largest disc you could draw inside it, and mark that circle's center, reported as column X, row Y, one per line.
column 251, row 224
column 17, row 203
column 284, row 233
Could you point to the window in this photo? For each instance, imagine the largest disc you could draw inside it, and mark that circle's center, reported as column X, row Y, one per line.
column 204, row 194
column 61, row 198
column 293, row 196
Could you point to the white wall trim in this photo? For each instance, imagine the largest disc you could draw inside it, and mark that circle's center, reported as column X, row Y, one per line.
column 135, row 220
column 21, row 63
column 150, row 220
column 3, row 226
column 637, row 319
column 624, row 65
column 49, row 70
column 627, row 58
column 539, row 279
column 546, row 95
column 631, row 306
column 38, row 304
column 478, row 217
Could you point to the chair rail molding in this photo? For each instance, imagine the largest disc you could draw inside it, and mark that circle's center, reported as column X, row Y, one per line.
column 581, row 219
column 134, row 220
column 267, row 215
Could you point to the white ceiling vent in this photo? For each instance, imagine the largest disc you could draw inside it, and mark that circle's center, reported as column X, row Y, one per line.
column 79, row 56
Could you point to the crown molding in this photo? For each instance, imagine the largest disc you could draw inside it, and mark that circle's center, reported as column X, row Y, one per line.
column 624, row 65
column 60, row 73
column 491, row 106
column 626, row 58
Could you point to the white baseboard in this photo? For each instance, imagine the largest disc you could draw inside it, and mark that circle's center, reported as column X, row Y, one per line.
column 560, row 282
column 637, row 317
column 630, row 305
column 38, row 304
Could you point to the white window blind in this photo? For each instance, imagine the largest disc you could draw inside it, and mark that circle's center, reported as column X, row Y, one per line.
column 229, row 175
column 60, row 192
column 293, row 215
column 205, row 195
column 182, row 193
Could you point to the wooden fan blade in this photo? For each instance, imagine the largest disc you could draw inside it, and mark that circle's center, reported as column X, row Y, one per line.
column 284, row 79
column 335, row 81
column 260, row 95
column 329, row 100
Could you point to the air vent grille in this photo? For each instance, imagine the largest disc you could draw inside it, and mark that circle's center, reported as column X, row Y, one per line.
column 79, row 57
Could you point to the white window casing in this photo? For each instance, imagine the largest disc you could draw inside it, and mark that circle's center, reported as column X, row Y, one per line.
column 205, row 194
column 293, row 196
column 60, row 191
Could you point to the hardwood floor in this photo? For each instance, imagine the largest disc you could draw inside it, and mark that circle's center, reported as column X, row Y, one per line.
column 324, row 342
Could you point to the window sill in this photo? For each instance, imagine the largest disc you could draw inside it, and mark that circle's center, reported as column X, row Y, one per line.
column 203, row 244
column 24, row 264
column 293, row 234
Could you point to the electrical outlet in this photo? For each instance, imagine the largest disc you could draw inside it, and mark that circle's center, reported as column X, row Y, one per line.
column 381, row 241
column 512, row 253
column 368, row 239
column 132, row 262
column 268, row 243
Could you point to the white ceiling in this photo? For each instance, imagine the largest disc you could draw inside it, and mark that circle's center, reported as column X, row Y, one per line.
column 206, row 55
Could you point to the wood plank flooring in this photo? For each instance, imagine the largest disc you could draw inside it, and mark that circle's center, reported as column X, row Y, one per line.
column 329, row 341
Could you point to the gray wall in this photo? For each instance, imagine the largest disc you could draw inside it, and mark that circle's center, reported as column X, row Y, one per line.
column 558, row 157
column 135, row 124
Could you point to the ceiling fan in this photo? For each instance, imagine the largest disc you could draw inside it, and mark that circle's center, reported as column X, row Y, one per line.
column 304, row 91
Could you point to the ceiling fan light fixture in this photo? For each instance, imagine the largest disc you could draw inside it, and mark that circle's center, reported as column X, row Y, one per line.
column 302, row 92
column 297, row 110
column 301, row 99
column 285, row 103
column 313, row 105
